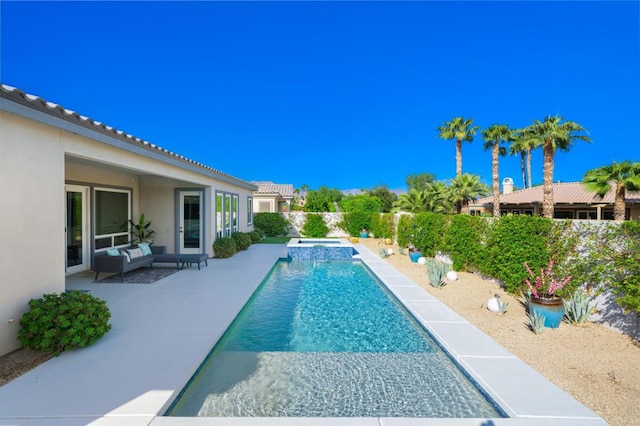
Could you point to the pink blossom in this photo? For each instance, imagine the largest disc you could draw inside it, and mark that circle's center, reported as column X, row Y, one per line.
column 545, row 284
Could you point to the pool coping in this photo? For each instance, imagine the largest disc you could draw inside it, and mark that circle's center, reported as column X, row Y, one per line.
column 163, row 331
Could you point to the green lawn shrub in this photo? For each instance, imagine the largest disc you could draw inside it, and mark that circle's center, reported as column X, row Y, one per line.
column 256, row 235
column 382, row 226
column 224, row 247
column 429, row 232
column 242, row 240
column 463, row 241
column 314, row 226
column 56, row 322
column 510, row 242
column 405, row 230
column 354, row 222
column 272, row 224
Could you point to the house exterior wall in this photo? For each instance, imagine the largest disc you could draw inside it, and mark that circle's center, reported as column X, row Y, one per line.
column 32, row 219
column 37, row 160
column 260, row 201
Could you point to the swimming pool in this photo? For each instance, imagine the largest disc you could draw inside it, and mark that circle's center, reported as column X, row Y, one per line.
column 324, row 339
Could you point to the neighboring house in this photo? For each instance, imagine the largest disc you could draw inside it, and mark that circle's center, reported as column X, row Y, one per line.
column 69, row 185
column 272, row 197
column 571, row 200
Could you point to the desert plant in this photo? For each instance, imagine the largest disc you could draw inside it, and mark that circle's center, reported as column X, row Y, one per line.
column 314, row 226
column 140, row 229
column 56, row 322
column 383, row 253
column 272, row 224
column 437, row 271
column 577, row 309
column 502, row 307
column 224, row 247
column 536, row 322
column 242, row 240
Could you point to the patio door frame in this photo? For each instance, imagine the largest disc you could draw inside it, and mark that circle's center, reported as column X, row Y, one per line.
column 182, row 228
column 85, row 235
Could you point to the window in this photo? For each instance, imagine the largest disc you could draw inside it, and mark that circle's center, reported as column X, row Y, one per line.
column 249, row 210
column 587, row 214
column 227, row 213
column 219, row 225
column 234, row 213
column 563, row 214
column 528, row 212
column 112, row 214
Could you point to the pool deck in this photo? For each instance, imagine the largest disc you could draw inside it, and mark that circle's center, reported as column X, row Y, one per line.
column 162, row 332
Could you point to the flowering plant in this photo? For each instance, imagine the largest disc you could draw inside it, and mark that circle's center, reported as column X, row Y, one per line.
column 545, row 284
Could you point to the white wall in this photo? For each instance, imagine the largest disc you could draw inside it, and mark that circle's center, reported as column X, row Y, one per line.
column 32, row 219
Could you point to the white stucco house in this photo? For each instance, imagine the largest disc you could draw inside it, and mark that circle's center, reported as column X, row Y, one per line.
column 69, row 185
column 273, row 197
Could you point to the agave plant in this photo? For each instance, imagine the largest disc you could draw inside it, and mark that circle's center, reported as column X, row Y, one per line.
column 577, row 308
column 536, row 322
column 437, row 271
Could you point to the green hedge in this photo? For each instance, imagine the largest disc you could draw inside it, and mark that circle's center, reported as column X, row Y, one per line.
column 242, row 240
column 272, row 224
column 224, row 247
column 314, row 226
column 354, row 222
column 463, row 241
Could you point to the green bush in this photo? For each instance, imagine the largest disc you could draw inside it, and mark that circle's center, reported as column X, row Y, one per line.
column 272, row 224
column 511, row 241
column 224, row 247
column 242, row 240
column 429, row 232
column 256, row 235
column 405, row 230
column 463, row 241
column 354, row 222
column 382, row 226
column 314, row 226
column 361, row 203
column 56, row 322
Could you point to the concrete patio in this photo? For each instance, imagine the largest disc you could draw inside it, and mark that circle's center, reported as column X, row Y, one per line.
column 162, row 332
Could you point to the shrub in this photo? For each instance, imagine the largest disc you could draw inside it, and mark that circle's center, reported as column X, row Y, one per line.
column 429, row 232
column 361, row 203
column 382, row 226
column 272, row 224
column 242, row 240
column 405, row 229
column 56, row 322
column 354, row 222
column 512, row 241
column 463, row 240
column 224, row 247
column 314, row 226
column 256, row 235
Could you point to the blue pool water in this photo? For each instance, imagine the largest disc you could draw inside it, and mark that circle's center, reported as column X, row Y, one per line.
column 324, row 339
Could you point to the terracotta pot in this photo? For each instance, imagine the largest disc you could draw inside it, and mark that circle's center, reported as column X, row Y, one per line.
column 552, row 308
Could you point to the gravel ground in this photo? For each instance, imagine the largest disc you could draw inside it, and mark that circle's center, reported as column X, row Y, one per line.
column 596, row 365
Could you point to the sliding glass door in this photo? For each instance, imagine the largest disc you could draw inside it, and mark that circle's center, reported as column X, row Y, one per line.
column 77, row 228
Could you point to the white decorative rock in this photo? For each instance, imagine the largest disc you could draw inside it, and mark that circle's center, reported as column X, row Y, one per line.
column 493, row 305
column 452, row 276
column 422, row 260
column 390, row 251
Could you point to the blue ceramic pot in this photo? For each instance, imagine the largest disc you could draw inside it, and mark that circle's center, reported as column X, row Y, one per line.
column 552, row 308
column 364, row 235
column 414, row 255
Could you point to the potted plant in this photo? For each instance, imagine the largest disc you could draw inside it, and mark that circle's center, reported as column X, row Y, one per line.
column 141, row 231
column 414, row 252
column 543, row 300
column 364, row 233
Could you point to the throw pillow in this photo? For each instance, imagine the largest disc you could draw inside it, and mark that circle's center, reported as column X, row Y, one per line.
column 125, row 253
column 146, row 250
column 113, row 252
column 135, row 253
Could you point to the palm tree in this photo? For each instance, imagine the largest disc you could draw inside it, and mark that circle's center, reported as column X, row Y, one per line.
column 522, row 143
column 460, row 130
column 413, row 201
column 625, row 176
column 493, row 137
column 465, row 188
column 551, row 135
column 438, row 198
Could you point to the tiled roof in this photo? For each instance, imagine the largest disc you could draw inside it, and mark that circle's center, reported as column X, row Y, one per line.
column 563, row 193
column 55, row 110
column 284, row 189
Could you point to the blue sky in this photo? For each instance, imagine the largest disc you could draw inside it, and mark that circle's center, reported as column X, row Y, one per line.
column 342, row 94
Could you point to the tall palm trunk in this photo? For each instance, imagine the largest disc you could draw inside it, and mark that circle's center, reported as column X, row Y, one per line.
column 464, row 206
column 619, row 205
column 547, row 163
column 529, row 168
column 523, row 170
column 458, row 157
column 495, row 152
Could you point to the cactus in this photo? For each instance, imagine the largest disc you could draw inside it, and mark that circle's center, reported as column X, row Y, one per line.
column 437, row 271
column 536, row 322
column 577, row 309
column 502, row 306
